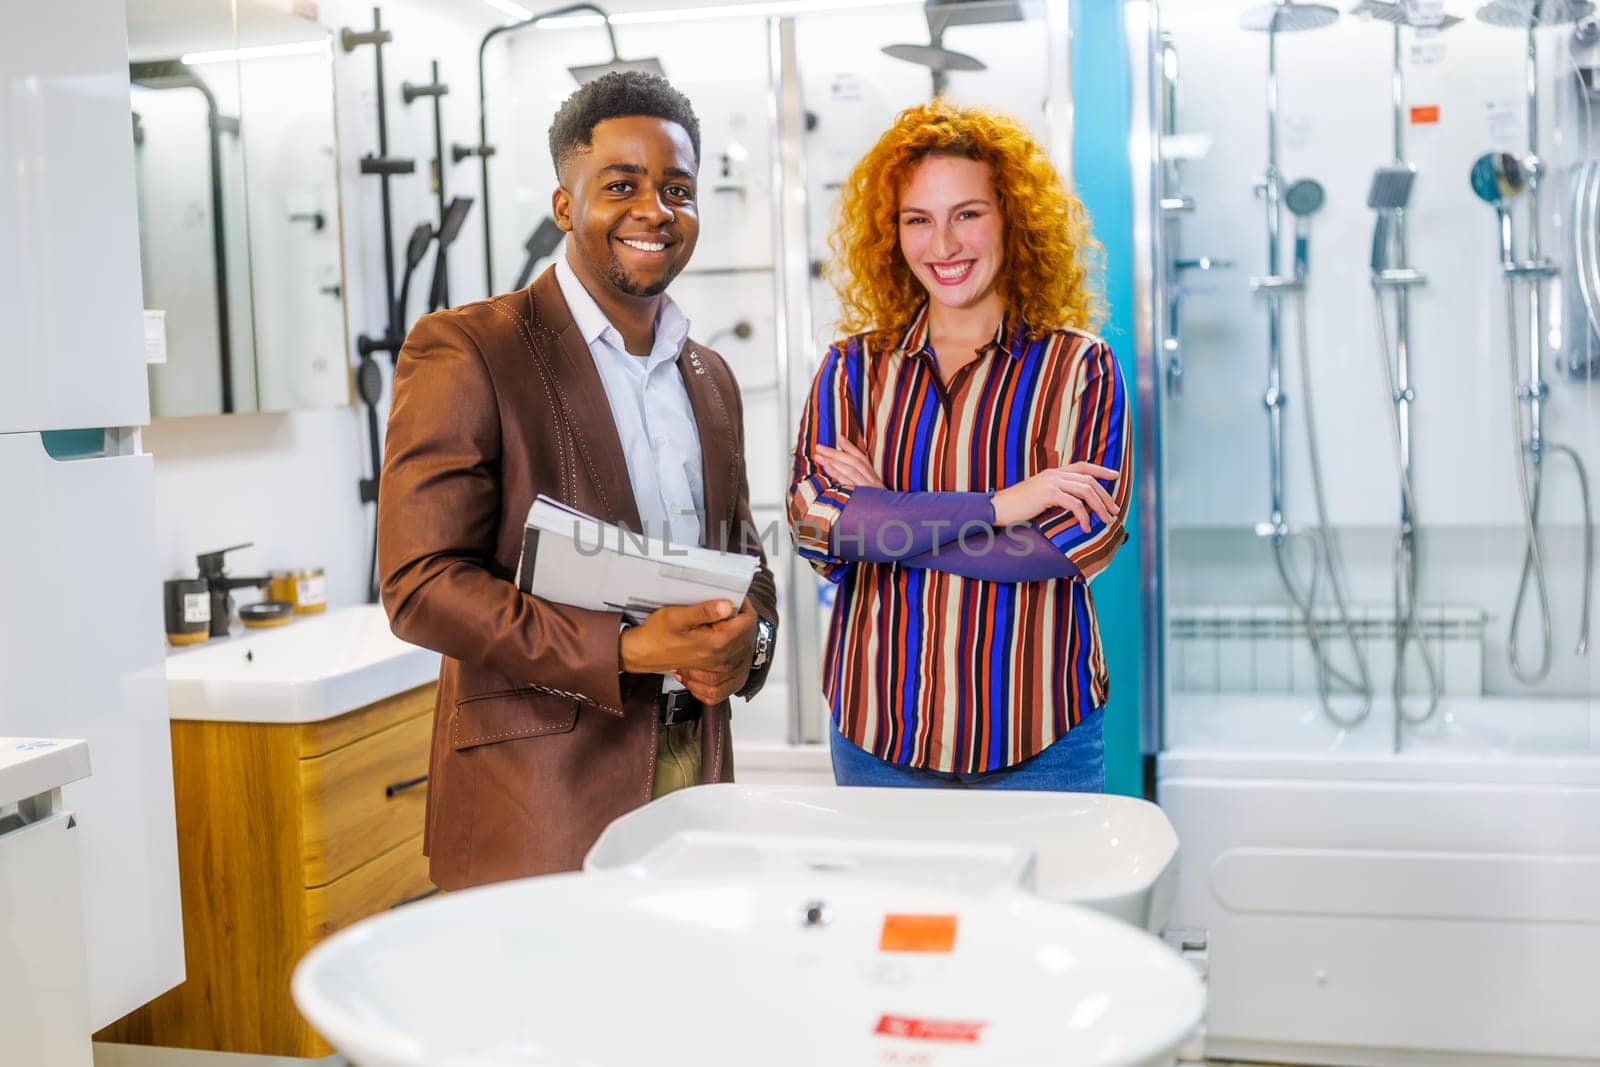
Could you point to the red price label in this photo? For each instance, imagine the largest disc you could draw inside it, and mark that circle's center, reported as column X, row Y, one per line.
column 929, row 1029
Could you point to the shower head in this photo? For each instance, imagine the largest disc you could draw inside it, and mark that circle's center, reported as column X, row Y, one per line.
column 934, row 57
column 417, row 246
column 1526, row 14
column 1498, row 177
column 1390, row 192
column 1404, row 13
column 588, row 72
column 1304, row 198
column 1287, row 16
column 1391, row 187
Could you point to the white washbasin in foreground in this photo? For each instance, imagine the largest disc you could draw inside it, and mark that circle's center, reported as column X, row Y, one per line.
column 612, row 970
column 1115, row 854
column 316, row 667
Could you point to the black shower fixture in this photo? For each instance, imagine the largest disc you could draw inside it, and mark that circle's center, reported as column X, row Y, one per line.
column 544, row 240
column 583, row 73
column 435, row 90
column 455, row 215
column 368, row 378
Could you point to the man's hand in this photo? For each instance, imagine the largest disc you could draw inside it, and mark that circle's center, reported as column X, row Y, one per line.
column 705, row 646
column 1074, row 488
column 713, row 685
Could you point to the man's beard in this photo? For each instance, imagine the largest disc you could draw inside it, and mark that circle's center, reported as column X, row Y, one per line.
column 618, row 277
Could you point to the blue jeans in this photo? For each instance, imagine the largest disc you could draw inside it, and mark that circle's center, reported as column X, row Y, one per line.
column 1072, row 764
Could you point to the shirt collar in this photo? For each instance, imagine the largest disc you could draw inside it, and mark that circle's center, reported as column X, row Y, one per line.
column 1011, row 336
column 672, row 327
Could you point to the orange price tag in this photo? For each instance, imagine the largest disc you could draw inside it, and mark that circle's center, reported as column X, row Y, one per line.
column 918, row 933
column 1423, row 116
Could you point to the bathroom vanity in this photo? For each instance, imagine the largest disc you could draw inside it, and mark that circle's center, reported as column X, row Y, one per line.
column 300, row 761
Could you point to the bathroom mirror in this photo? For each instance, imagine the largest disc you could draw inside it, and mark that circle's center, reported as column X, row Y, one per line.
column 236, row 162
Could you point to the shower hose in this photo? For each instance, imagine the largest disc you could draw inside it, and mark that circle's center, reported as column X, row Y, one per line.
column 1321, row 543
column 1532, row 558
column 1407, row 628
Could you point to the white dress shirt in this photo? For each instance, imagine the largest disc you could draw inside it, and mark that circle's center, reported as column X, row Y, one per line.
column 650, row 407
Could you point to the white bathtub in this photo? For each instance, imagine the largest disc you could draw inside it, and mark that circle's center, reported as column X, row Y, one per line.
column 1438, row 907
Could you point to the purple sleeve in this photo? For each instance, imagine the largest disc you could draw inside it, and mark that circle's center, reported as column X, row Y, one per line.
column 880, row 526
column 1016, row 554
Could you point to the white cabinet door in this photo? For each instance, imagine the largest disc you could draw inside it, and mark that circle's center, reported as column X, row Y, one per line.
column 71, row 322
column 41, row 970
column 81, row 655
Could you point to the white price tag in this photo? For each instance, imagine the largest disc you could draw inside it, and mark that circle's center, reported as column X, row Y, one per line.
column 155, row 336
column 309, row 592
column 196, row 607
column 1504, row 120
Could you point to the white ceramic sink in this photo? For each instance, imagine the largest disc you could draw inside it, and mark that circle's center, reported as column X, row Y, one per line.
column 314, row 668
column 1114, row 854
column 612, row 970
column 970, row 868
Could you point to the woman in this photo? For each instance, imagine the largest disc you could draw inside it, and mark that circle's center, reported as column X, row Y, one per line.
column 963, row 465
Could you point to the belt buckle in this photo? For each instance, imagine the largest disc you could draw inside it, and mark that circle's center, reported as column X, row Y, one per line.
column 675, row 707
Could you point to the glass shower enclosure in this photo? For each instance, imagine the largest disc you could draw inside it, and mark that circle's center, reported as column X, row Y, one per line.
column 1367, row 333
column 1339, row 390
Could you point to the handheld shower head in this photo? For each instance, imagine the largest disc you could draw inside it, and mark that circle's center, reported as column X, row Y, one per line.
column 1303, row 199
column 1498, row 178
column 1391, row 187
column 1389, row 194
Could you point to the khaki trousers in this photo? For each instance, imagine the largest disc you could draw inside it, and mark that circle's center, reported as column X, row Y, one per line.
column 677, row 758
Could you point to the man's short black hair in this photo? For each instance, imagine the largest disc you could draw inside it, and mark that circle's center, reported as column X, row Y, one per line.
column 617, row 95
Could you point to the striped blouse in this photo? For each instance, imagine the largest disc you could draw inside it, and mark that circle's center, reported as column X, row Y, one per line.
column 929, row 669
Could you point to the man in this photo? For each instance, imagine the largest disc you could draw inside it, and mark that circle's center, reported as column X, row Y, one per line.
column 553, row 720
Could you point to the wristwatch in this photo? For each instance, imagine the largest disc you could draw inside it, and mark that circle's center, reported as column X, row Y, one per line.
column 766, row 633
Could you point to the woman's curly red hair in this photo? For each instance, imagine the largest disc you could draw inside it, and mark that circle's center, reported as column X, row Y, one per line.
column 1050, row 275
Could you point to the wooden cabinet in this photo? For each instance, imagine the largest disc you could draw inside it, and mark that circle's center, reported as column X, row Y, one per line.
column 286, row 833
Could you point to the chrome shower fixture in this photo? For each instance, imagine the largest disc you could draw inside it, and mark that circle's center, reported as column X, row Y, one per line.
column 1498, row 178
column 1528, row 14
column 1287, row 16
column 941, row 15
column 934, row 56
column 1303, row 199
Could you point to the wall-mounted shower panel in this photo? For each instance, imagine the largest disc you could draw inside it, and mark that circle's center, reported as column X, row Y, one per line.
column 72, row 347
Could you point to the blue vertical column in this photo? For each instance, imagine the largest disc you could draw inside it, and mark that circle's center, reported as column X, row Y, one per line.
column 1101, row 125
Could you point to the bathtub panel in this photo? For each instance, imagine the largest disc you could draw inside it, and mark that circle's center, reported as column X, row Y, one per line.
column 1392, row 910
column 1408, row 885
